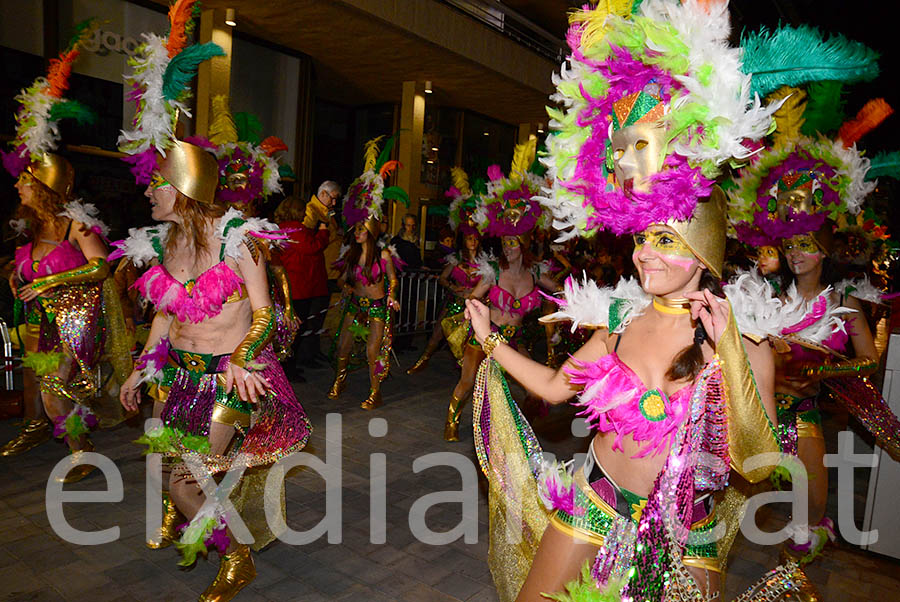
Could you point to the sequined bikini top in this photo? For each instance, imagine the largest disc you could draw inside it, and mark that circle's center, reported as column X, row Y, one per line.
column 464, row 274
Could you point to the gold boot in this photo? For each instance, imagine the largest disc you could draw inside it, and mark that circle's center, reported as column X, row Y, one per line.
column 80, row 471
column 451, row 427
column 373, row 400
column 423, row 361
column 33, row 433
column 168, row 531
column 340, row 378
column 236, row 570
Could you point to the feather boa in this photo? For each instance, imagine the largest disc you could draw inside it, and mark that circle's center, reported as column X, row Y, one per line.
column 588, row 305
column 206, row 530
column 233, row 227
column 486, row 267
column 143, row 245
column 85, row 213
column 757, row 309
column 813, row 321
column 862, row 289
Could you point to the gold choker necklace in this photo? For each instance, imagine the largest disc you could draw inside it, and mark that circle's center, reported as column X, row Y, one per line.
column 672, row 306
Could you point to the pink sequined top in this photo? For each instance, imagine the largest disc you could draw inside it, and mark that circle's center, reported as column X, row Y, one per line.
column 379, row 269
column 64, row 256
column 614, row 399
column 503, row 300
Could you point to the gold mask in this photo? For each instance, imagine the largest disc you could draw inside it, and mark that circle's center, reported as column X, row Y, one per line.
column 804, row 243
column 637, row 152
column 54, row 172
column 192, row 170
column 663, row 242
column 767, row 252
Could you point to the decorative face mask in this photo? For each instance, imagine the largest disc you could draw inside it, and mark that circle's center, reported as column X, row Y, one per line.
column 157, row 181
column 511, row 242
column 636, row 154
column 803, row 243
column 767, row 253
column 798, row 191
column 663, row 242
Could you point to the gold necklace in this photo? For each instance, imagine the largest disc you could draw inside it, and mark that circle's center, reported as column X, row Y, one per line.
column 671, row 306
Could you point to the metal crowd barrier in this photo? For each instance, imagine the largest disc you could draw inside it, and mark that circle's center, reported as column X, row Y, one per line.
column 421, row 299
column 7, row 357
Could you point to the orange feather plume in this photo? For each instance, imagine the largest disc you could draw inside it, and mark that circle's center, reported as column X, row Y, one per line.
column 180, row 14
column 388, row 167
column 272, row 145
column 59, row 72
column 869, row 117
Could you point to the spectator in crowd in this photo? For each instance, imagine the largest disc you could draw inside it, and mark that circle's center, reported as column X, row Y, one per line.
column 304, row 262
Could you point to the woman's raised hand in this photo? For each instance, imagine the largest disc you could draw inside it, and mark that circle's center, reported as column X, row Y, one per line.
column 712, row 312
column 480, row 316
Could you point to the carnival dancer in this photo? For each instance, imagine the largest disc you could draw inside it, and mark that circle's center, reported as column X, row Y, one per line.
column 511, row 283
column 459, row 276
column 60, row 280
column 220, row 392
column 802, row 192
column 369, row 276
column 666, row 378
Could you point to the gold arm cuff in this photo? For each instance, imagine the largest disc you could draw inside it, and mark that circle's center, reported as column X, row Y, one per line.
column 230, row 416
column 750, row 432
column 95, row 270
column 262, row 329
column 491, row 342
column 284, row 286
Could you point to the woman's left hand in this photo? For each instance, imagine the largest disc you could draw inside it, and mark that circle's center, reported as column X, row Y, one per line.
column 27, row 294
column 250, row 385
column 712, row 312
column 394, row 304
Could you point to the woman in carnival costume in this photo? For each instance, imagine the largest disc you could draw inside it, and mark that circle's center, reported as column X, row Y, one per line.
column 219, row 390
column 797, row 194
column 460, row 273
column 667, row 377
column 369, row 275
column 61, row 276
column 512, row 283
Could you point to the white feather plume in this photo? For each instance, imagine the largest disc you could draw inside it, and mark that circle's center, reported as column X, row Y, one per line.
column 757, row 309
column 85, row 213
column 234, row 238
column 139, row 247
column 587, row 304
column 860, row 288
column 486, row 266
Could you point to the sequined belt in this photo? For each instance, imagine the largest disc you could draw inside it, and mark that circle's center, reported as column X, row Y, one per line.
column 603, row 503
column 199, row 363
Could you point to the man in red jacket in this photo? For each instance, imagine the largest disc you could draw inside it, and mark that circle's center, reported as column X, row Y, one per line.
column 304, row 262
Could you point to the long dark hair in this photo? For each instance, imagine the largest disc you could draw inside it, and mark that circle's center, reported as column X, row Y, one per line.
column 689, row 361
column 354, row 253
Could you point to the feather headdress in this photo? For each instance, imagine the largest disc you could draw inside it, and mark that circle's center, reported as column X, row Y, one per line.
column 508, row 204
column 672, row 59
column 248, row 169
column 162, row 68
column 463, row 202
column 364, row 200
column 42, row 105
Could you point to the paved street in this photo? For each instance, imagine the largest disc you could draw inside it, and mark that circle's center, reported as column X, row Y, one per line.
column 35, row 564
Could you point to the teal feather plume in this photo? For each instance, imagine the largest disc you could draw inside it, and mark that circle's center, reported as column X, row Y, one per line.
column 794, row 56
column 183, row 67
column 82, row 31
column 439, row 210
column 285, row 171
column 824, row 108
column 397, row 194
column 885, row 165
column 249, row 127
column 72, row 109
